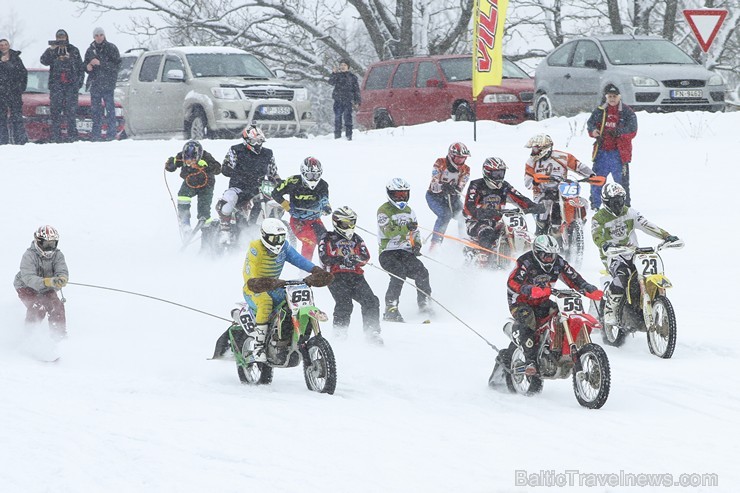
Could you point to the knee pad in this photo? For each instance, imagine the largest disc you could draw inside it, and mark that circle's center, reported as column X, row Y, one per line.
column 524, row 315
column 228, row 201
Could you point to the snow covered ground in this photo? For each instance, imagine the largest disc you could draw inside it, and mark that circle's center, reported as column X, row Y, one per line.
column 133, row 404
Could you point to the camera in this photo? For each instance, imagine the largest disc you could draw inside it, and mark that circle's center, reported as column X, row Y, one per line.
column 58, row 42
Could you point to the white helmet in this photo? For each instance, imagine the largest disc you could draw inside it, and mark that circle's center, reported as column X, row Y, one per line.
column 273, row 233
column 344, row 220
column 545, row 249
column 311, row 172
column 399, row 192
column 46, row 239
column 613, row 196
column 253, row 139
column 541, row 146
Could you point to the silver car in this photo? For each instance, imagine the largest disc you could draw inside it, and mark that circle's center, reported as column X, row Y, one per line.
column 652, row 74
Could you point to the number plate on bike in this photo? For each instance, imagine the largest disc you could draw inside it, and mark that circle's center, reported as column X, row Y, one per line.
column 570, row 304
column 298, row 296
column 569, row 189
column 648, row 264
column 515, row 220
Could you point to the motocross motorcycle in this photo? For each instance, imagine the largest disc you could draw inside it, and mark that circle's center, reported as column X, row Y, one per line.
column 514, row 239
column 246, row 215
column 564, row 349
column 645, row 306
column 293, row 336
column 570, row 232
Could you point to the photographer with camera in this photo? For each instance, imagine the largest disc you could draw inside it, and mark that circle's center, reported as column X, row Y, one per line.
column 613, row 124
column 66, row 74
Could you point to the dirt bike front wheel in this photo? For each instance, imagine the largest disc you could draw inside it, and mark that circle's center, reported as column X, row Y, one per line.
column 252, row 373
column 516, row 380
column 661, row 335
column 575, row 243
column 320, row 367
column 591, row 384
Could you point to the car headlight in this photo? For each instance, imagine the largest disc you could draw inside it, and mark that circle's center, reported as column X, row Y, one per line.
column 500, row 98
column 43, row 110
column 716, row 80
column 301, row 94
column 225, row 92
column 644, row 81
column 119, row 111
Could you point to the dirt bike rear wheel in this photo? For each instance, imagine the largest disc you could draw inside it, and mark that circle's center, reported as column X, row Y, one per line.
column 520, row 383
column 320, row 368
column 591, row 385
column 253, row 373
column 612, row 335
column 661, row 336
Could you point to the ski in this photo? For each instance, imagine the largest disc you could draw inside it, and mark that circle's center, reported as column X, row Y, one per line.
column 188, row 238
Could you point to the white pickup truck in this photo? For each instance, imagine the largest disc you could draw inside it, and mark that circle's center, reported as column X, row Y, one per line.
column 210, row 92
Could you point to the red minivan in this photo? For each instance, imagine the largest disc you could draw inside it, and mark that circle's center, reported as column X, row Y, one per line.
column 415, row 90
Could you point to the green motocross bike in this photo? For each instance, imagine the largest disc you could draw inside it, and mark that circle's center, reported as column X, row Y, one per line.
column 293, row 336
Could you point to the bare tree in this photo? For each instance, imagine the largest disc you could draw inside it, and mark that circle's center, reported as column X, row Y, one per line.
column 12, row 28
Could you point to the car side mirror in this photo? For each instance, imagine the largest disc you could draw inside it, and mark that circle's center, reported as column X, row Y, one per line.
column 594, row 64
column 279, row 73
column 435, row 83
column 176, row 75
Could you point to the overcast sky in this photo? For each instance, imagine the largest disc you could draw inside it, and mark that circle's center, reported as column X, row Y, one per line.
column 40, row 19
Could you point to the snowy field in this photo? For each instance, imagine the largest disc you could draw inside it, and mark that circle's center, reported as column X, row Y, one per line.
column 134, row 406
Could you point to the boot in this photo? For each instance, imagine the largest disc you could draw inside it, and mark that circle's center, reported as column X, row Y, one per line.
column 391, row 312
column 372, row 336
column 425, row 306
column 258, row 353
column 611, row 307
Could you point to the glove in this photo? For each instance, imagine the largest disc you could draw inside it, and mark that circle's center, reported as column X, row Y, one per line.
column 353, row 259
column 671, row 238
column 264, row 284
column 326, row 210
column 170, row 165
column 536, row 209
column 55, row 282
column 595, row 295
column 538, row 292
column 450, row 188
column 285, row 205
column 416, row 249
column 319, row 278
column 412, row 225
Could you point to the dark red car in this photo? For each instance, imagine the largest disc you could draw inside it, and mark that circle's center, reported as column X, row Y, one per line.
column 37, row 111
column 436, row 88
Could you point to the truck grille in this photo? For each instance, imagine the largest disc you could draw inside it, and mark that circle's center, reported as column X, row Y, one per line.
column 268, row 93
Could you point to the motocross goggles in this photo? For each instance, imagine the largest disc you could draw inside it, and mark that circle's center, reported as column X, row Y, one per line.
column 399, row 195
column 496, row 175
column 344, row 223
column 48, row 245
column 312, row 175
column 274, row 240
column 546, row 257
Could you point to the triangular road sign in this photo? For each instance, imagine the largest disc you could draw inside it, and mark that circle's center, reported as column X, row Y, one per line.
column 705, row 24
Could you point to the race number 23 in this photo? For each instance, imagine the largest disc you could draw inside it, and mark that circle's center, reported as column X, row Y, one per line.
column 649, row 266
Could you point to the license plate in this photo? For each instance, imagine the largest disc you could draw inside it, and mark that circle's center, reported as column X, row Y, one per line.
column 275, row 110
column 84, row 125
column 686, row 94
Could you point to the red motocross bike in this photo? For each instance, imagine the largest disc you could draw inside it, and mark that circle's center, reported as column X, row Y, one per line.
column 564, row 349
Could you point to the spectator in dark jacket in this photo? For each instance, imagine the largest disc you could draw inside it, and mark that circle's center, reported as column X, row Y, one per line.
column 346, row 94
column 102, row 61
column 613, row 124
column 66, row 74
column 13, row 80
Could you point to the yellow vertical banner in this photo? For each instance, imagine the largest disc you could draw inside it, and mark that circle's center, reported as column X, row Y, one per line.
column 488, row 34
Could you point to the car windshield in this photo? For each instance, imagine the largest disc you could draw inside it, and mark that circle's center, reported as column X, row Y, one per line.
column 457, row 69
column 38, row 82
column 645, row 52
column 127, row 66
column 228, row 65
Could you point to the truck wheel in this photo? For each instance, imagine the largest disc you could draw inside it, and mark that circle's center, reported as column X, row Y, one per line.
column 197, row 126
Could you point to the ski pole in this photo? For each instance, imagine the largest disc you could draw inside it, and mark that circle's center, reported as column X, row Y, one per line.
column 63, row 300
column 150, row 297
column 425, row 256
column 437, row 302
